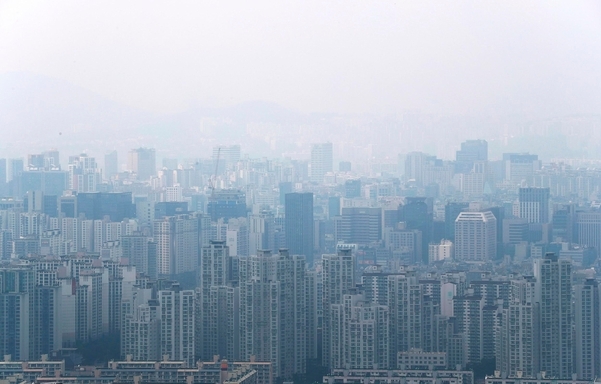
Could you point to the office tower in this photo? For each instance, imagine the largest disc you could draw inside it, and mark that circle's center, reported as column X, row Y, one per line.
column 67, row 205
column 227, row 204
column 228, row 156
column 352, row 188
column 554, row 295
column 363, row 333
column 534, row 204
column 451, row 211
column 52, row 159
column 111, row 165
column 588, row 330
column 49, row 182
column 360, row 225
column 344, row 166
column 299, row 225
column 415, row 166
column 177, row 244
column 588, row 229
column 284, row 188
column 273, row 311
column 170, row 163
column 417, row 215
column 261, row 231
column 321, row 161
column 50, row 205
column 475, row 236
column 142, row 162
column 237, row 236
column 35, row 162
column 217, row 313
column 471, row 151
column 520, row 167
column 177, row 323
column 169, row 208
column 338, row 277
column 174, row 193
column 3, row 179
column 515, row 231
column 15, row 167
column 333, row 207
column 117, row 206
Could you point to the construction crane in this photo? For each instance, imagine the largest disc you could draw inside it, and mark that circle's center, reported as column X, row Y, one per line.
column 214, row 178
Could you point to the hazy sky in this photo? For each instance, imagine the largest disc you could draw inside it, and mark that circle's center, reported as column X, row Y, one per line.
column 533, row 57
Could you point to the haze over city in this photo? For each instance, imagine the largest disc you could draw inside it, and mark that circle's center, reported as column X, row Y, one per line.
column 300, row 192
column 433, row 73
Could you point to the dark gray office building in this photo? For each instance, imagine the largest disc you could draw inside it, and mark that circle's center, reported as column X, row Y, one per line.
column 299, row 224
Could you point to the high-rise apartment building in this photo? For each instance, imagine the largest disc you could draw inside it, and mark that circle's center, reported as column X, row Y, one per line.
column 588, row 330
column 338, row 278
column 469, row 312
column 177, row 244
column 273, row 311
column 554, row 297
column 16, row 312
column 322, row 161
column 84, row 174
column 405, row 299
column 517, row 342
column 363, row 333
column 177, row 308
column 534, row 204
column 217, row 313
column 142, row 162
column 475, row 236
column 299, row 224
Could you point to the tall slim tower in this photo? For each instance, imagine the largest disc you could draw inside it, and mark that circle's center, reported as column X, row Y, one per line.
column 321, row 161
column 534, row 204
column 554, row 297
column 142, row 162
column 299, row 224
column 111, row 164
